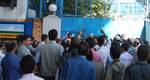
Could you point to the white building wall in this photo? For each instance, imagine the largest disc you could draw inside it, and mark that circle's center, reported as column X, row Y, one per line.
column 18, row 13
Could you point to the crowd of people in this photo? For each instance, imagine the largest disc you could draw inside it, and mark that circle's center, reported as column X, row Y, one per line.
column 75, row 58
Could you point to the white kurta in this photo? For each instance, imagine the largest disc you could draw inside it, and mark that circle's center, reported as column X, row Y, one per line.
column 52, row 22
column 30, row 76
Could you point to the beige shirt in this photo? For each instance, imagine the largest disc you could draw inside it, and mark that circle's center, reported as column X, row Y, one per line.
column 99, row 70
column 50, row 55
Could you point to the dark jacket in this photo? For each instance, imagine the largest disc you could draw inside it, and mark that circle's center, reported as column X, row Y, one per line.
column 115, row 71
column 138, row 71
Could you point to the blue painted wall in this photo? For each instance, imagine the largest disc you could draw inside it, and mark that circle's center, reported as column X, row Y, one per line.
column 28, row 28
column 87, row 25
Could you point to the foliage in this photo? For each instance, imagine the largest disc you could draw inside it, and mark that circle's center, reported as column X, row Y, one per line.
column 83, row 7
column 69, row 7
column 100, row 8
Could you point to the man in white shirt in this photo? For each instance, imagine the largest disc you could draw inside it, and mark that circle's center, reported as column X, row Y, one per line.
column 27, row 66
column 126, row 58
column 52, row 21
column 104, row 47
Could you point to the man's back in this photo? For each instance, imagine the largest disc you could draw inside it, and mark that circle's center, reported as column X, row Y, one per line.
column 50, row 54
column 77, row 68
column 126, row 58
column 99, row 70
column 115, row 71
column 133, row 52
column 22, row 50
column 11, row 68
column 138, row 71
column 104, row 52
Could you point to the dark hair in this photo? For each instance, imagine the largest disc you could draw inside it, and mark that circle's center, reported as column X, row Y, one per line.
column 69, row 33
column 32, row 38
column 10, row 46
column 129, row 41
column 75, row 42
column 0, row 44
column 115, row 51
column 143, row 52
column 52, row 34
column 89, row 56
column 44, row 37
column 21, row 38
column 25, row 37
column 91, row 41
column 35, row 43
column 136, row 44
column 101, row 40
column 125, row 45
column 27, row 64
column 83, row 48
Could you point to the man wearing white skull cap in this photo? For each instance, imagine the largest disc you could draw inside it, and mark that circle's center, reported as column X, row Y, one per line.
column 52, row 7
column 52, row 21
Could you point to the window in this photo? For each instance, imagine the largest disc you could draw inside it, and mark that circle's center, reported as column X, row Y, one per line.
column 8, row 3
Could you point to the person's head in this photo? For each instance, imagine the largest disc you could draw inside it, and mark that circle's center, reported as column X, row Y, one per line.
column 32, row 39
column 83, row 48
column 10, row 47
column 117, row 38
column 59, row 41
column 44, row 37
column 143, row 52
column 35, row 43
column 75, row 42
column 80, row 33
column 131, row 41
column 69, row 35
column 27, row 40
column 27, row 64
column 101, row 40
column 89, row 56
column 115, row 51
column 52, row 8
column 19, row 39
column 136, row 43
column 125, row 46
column 91, row 41
column 24, row 39
column 52, row 34
column 68, row 41
column 91, row 35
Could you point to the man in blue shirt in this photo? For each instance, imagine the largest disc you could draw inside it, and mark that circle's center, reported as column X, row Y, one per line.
column 24, row 41
column 76, row 67
column 11, row 63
